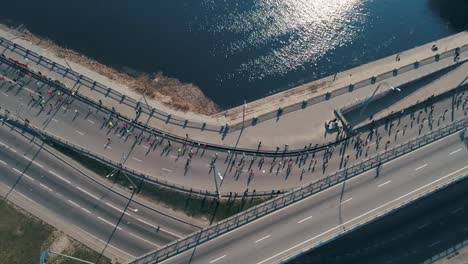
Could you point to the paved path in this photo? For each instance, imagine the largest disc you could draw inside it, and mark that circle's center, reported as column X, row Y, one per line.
column 320, row 217
column 90, row 130
column 296, row 129
column 76, row 203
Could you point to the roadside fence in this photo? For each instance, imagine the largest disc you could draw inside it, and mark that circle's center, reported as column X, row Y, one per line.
column 296, row 195
column 15, row 121
column 66, row 72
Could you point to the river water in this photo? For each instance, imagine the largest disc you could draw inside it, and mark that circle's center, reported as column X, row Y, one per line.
column 237, row 50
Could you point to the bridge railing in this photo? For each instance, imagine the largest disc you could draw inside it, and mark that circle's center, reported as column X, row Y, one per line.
column 382, row 214
column 363, row 83
column 74, row 76
column 176, row 120
column 295, row 195
column 14, row 120
column 198, row 192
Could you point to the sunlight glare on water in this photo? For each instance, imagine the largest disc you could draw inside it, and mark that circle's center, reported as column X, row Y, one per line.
column 300, row 31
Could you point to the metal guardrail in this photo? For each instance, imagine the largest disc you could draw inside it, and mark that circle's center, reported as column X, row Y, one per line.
column 148, row 179
column 381, row 215
column 181, row 188
column 163, row 116
column 412, row 108
column 352, row 87
column 295, row 195
column 12, row 126
column 104, row 90
column 450, row 251
column 175, row 138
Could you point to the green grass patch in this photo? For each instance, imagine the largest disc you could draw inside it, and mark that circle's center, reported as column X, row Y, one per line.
column 21, row 237
column 190, row 204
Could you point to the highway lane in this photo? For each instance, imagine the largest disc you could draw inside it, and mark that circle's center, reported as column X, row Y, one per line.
column 410, row 235
column 86, row 185
column 320, row 216
column 89, row 130
column 56, row 186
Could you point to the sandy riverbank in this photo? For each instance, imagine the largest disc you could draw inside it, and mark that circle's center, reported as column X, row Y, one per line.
column 167, row 90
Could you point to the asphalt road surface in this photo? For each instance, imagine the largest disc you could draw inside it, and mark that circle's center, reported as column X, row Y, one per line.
column 308, row 222
column 410, row 235
column 78, row 201
column 89, row 128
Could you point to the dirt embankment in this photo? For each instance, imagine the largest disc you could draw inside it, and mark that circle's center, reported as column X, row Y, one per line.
column 169, row 91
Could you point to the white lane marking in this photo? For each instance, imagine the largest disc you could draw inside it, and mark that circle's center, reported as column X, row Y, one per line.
column 263, row 238
column 214, row 260
column 116, row 208
column 88, row 193
column 60, row 177
column 79, row 132
column 107, row 146
column 146, row 147
column 75, row 204
column 157, row 227
column 435, row 243
column 345, row 201
column 149, row 242
column 8, row 147
column 133, row 209
column 91, row 121
column 24, row 174
column 168, row 170
column 139, row 160
column 55, row 120
column 305, row 219
column 45, row 186
column 360, row 216
column 380, row 185
column 4, row 163
column 105, row 221
column 455, row 151
column 30, row 160
column 5, row 94
column 420, row 167
column 174, row 157
column 80, row 230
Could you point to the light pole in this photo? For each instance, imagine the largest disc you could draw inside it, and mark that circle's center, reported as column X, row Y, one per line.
column 216, row 173
column 366, row 102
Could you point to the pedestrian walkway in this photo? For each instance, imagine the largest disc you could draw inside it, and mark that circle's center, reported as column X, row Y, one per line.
column 296, row 129
column 145, row 152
